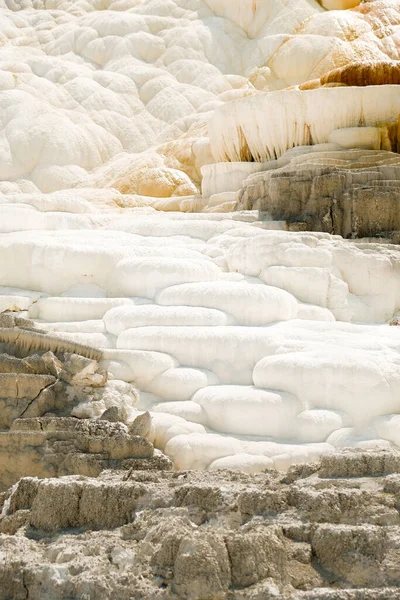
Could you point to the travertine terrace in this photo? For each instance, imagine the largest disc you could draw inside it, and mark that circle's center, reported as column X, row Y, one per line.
column 199, row 281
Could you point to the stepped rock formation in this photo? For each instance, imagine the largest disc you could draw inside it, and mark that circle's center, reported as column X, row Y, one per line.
column 289, row 110
column 45, row 384
column 353, row 193
column 143, row 126
column 55, row 446
column 199, row 271
column 329, row 531
column 175, row 300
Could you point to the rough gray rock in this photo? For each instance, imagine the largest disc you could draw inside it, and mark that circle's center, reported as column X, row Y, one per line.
column 112, row 414
column 353, row 194
column 141, row 425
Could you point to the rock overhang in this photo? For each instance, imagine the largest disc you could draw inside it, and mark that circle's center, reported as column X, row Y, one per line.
column 262, row 127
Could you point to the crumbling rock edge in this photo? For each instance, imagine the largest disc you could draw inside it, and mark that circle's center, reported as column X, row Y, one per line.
column 59, row 413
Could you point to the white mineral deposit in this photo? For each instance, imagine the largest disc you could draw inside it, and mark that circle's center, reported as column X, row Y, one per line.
column 199, row 299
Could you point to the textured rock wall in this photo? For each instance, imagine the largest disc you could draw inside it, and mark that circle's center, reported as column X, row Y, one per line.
column 263, row 127
column 42, row 384
column 329, row 530
column 349, row 193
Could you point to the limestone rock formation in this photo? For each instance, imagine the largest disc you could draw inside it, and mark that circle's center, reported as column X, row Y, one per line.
column 353, row 193
column 38, row 372
column 230, row 338
column 46, row 401
column 329, row 530
column 174, row 300
column 55, row 446
column 240, row 131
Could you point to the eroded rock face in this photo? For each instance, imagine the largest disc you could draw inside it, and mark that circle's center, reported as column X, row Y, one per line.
column 48, row 401
column 353, row 193
column 40, row 373
column 54, row 446
column 317, row 532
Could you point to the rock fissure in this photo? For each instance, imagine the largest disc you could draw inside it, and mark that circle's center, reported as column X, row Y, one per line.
column 47, row 387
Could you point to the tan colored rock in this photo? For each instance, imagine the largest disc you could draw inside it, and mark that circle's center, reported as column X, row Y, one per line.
column 257, row 555
column 63, row 503
column 121, row 445
column 91, row 465
column 22, row 394
column 256, row 501
column 53, row 446
column 23, row 386
column 10, row 364
column 201, row 567
column 7, row 320
column 36, row 383
column 354, row 554
column 112, row 414
column 45, row 364
column 81, row 371
column 364, row 464
column 312, row 534
column 351, row 193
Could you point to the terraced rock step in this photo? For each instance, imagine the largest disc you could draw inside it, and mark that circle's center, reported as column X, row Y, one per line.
column 54, row 446
column 59, row 414
column 327, row 530
column 353, row 193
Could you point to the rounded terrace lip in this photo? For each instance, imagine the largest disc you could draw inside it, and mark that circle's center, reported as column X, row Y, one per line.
column 251, row 328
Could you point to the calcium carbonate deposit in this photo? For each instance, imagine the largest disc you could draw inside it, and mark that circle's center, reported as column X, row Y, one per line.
column 129, row 132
